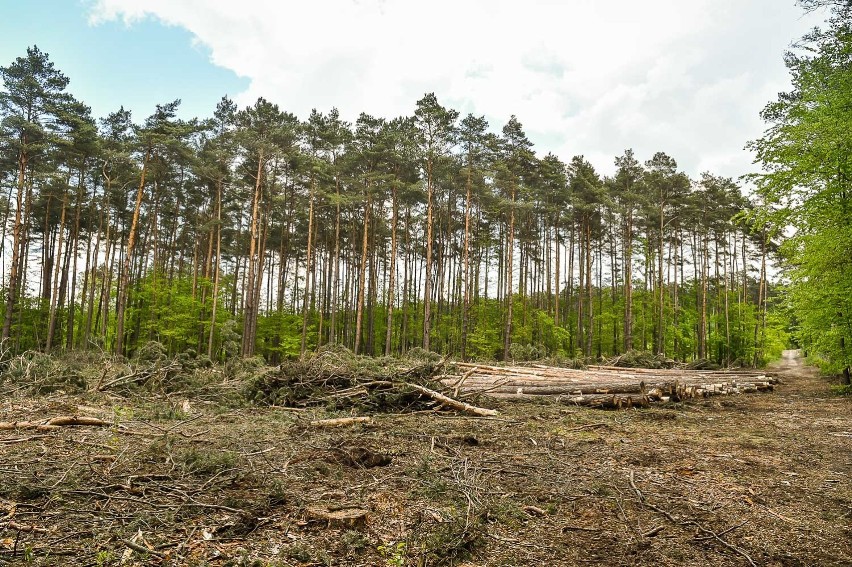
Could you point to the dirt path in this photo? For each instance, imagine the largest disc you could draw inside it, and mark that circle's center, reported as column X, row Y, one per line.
column 759, row 479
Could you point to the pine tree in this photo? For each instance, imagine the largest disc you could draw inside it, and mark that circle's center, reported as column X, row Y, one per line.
column 33, row 92
column 436, row 126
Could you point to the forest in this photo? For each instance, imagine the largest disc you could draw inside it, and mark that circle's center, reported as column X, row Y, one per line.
column 255, row 232
column 255, row 338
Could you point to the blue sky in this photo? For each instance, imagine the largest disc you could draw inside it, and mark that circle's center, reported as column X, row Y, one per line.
column 113, row 64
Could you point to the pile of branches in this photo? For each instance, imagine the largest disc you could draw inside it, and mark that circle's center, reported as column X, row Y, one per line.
column 37, row 373
column 151, row 370
column 337, row 379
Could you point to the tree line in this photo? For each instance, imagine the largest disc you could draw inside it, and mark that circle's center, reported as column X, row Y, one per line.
column 255, row 232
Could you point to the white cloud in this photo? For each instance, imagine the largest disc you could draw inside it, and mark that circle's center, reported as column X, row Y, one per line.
column 583, row 76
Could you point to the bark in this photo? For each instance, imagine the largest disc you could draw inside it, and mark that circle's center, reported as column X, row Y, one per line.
column 69, row 343
column 125, row 275
column 54, row 295
column 362, row 276
column 427, row 284
column 391, row 276
column 216, row 268
column 308, row 270
column 17, row 245
column 335, row 283
column 556, row 283
column 466, row 267
column 250, row 311
column 507, row 332
column 628, row 282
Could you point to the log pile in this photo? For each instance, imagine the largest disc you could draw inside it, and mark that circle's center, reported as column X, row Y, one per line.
column 605, row 386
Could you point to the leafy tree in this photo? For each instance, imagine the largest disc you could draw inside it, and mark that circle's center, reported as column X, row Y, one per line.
column 807, row 157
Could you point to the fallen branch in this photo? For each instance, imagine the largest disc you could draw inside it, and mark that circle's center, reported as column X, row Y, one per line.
column 461, row 380
column 450, row 402
column 588, row 426
column 141, row 548
column 15, row 440
column 340, row 421
column 653, row 531
column 24, row 528
column 54, row 423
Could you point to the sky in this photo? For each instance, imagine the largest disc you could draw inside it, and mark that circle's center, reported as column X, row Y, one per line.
column 590, row 77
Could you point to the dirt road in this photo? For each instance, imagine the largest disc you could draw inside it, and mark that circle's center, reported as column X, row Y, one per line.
column 758, row 479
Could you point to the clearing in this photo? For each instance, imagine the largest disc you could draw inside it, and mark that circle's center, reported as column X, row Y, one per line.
column 760, row 479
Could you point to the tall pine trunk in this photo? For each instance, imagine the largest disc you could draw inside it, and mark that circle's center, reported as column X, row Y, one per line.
column 510, row 252
column 308, row 270
column 427, row 284
column 124, row 283
column 391, row 275
column 17, row 245
column 250, row 310
column 362, row 276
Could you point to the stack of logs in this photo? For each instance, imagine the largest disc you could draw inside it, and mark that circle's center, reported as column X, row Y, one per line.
column 605, row 386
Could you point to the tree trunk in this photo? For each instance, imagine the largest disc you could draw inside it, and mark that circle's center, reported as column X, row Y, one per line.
column 54, row 295
column 510, row 242
column 362, row 275
column 391, row 276
column 591, row 328
column 216, row 268
column 661, row 306
column 17, row 241
column 250, row 311
column 556, row 282
column 69, row 344
column 124, row 283
column 628, row 282
column 308, row 270
column 335, row 283
column 427, row 284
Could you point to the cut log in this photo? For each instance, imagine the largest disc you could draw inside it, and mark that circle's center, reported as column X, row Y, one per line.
column 606, row 386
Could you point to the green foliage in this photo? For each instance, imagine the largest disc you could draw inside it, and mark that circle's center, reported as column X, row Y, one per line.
column 808, row 167
column 842, row 389
column 280, row 334
column 393, row 553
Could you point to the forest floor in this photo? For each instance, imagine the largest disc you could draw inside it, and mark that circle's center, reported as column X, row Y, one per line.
column 762, row 479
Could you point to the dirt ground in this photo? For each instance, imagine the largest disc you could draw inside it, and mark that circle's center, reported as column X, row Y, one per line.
column 760, row 479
